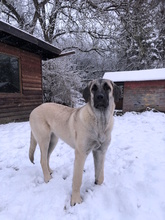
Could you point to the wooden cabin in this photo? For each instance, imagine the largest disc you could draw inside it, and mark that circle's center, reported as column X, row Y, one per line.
column 21, row 56
column 140, row 89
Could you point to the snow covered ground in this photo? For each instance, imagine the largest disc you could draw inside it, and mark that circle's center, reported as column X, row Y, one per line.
column 134, row 186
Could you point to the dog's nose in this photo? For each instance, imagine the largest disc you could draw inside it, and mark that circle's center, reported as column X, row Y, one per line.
column 100, row 97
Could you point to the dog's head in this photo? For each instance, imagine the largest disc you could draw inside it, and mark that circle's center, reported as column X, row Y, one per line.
column 99, row 93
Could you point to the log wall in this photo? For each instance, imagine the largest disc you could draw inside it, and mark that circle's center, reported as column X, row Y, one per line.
column 17, row 106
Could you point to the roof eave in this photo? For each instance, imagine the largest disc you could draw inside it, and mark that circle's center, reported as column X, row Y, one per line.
column 20, row 39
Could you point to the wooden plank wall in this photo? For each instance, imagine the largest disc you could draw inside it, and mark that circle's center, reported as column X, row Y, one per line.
column 140, row 95
column 17, row 106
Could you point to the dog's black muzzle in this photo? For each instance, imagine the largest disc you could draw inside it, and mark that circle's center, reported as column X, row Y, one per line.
column 101, row 101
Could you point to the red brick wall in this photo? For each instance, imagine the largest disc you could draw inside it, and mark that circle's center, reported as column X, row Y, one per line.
column 140, row 95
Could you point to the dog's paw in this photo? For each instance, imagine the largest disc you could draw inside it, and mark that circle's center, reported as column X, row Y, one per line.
column 76, row 198
column 50, row 171
column 47, row 178
column 97, row 182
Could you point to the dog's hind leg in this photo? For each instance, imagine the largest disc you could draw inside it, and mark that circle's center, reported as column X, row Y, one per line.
column 33, row 144
column 44, row 146
column 52, row 144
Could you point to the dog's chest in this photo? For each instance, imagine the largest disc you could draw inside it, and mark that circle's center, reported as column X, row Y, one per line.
column 101, row 130
column 97, row 141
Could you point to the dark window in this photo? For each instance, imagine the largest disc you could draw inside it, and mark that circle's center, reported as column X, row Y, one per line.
column 9, row 74
column 119, row 105
column 121, row 86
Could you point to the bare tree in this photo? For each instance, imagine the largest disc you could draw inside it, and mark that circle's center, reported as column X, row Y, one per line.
column 107, row 35
column 138, row 35
column 160, row 30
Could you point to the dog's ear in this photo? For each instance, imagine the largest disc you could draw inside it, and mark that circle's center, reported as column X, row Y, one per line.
column 86, row 93
column 116, row 92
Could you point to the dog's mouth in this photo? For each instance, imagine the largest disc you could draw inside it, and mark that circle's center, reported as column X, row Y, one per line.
column 100, row 106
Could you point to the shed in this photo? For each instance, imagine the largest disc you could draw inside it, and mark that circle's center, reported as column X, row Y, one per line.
column 140, row 89
column 21, row 56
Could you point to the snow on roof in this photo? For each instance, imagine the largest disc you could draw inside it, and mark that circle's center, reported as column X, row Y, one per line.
column 136, row 75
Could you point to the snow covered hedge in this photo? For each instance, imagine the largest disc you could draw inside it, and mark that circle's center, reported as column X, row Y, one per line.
column 61, row 83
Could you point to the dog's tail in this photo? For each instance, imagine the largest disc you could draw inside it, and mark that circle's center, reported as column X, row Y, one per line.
column 33, row 144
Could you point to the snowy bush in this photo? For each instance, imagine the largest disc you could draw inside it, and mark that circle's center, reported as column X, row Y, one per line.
column 61, row 83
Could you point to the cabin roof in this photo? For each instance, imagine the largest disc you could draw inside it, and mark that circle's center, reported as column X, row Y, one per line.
column 25, row 41
column 136, row 75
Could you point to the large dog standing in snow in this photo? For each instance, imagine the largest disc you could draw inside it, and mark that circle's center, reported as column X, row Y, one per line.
column 85, row 129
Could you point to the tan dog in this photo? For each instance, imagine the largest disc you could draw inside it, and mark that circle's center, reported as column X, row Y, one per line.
column 85, row 129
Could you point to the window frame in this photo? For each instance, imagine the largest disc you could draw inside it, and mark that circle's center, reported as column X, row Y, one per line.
column 19, row 70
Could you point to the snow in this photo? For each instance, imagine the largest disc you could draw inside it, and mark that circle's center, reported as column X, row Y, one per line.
column 134, row 185
column 136, row 75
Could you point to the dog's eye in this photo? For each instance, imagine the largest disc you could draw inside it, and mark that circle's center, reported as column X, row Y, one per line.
column 106, row 87
column 94, row 88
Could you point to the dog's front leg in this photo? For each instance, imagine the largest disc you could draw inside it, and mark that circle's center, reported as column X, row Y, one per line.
column 80, row 158
column 99, row 158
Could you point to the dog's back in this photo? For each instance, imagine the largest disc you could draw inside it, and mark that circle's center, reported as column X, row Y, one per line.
column 51, row 118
